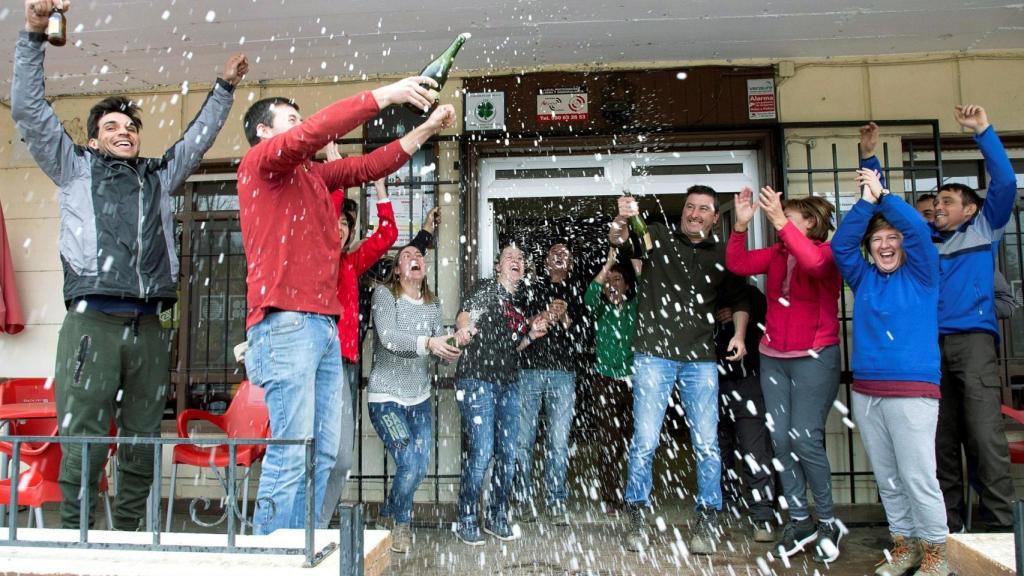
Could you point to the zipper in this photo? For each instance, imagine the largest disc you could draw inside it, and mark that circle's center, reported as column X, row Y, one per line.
column 138, row 233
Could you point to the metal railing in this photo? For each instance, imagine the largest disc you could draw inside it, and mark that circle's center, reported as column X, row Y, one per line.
column 350, row 533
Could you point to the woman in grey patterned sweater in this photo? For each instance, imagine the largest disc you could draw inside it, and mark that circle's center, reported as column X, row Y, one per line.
column 408, row 331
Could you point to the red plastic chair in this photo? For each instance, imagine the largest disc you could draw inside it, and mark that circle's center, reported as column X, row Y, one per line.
column 246, row 417
column 39, row 483
column 1017, row 446
column 29, row 391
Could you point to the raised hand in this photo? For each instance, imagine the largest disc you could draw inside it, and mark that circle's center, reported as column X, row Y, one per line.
column 868, row 140
column 381, row 188
column 973, row 117
column 408, row 90
column 235, row 69
column 628, row 206
column 332, row 152
column 432, row 220
column 770, row 202
column 870, row 185
column 442, row 118
column 744, row 208
column 37, row 13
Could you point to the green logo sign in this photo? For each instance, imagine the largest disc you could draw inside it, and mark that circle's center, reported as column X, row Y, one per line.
column 485, row 111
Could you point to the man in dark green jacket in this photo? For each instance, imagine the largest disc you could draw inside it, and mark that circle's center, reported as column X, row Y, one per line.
column 682, row 283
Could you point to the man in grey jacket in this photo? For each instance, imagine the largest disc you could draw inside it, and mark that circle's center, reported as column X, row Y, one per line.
column 120, row 266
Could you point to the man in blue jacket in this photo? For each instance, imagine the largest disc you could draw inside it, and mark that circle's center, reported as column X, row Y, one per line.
column 120, row 266
column 969, row 412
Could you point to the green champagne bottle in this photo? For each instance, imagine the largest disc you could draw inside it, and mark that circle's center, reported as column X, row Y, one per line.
column 639, row 227
column 438, row 70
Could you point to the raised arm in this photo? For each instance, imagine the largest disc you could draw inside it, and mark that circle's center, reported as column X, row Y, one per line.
column 1002, row 188
column 181, row 159
column 869, row 136
column 847, row 239
column 738, row 259
column 50, row 146
column 922, row 258
column 383, row 237
column 355, row 170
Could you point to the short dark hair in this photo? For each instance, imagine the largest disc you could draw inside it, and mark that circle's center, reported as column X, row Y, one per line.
column 625, row 268
column 967, row 194
column 703, row 191
column 925, row 196
column 350, row 206
column 260, row 113
column 112, row 104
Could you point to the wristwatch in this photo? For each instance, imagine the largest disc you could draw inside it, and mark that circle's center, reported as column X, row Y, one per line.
column 885, row 192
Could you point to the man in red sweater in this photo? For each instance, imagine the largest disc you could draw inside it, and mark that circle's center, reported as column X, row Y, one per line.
column 292, row 249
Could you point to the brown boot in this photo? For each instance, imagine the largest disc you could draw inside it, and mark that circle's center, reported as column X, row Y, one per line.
column 904, row 555
column 934, row 561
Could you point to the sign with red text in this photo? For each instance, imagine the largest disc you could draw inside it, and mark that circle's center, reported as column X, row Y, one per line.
column 562, row 105
column 761, row 99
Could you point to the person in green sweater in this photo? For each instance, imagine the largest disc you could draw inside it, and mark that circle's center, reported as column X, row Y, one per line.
column 611, row 301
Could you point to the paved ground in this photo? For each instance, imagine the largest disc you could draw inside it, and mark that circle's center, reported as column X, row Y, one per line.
column 592, row 545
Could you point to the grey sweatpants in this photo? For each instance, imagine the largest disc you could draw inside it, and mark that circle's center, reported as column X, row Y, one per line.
column 798, row 393
column 899, row 437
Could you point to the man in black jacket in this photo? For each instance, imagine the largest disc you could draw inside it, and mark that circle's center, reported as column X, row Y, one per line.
column 120, row 266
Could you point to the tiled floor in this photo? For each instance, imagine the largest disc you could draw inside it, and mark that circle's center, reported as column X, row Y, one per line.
column 592, row 545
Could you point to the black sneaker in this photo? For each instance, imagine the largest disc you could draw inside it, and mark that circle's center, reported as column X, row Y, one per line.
column 796, row 535
column 826, row 549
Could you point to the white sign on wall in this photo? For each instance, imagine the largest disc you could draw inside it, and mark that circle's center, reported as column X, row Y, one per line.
column 562, row 105
column 485, row 111
column 761, row 99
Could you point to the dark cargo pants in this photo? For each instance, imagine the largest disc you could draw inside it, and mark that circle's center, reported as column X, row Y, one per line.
column 110, row 368
column 969, row 415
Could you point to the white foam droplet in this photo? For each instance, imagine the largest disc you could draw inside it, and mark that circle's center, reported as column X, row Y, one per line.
column 211, row 16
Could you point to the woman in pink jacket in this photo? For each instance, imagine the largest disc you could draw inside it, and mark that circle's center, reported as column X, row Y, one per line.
column 799, row 354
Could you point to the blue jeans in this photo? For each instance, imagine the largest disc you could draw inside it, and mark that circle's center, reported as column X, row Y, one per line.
column 295, row 358
column 490, row 428
column 556, row 390
column 653, row 381
column 406, row 432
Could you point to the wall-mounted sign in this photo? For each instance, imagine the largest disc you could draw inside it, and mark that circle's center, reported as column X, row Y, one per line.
column 761, row 99
column 485, row 111
column 562, row 105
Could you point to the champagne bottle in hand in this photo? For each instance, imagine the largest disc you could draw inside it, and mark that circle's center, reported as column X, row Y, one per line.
column 438, row 70
column 639, row 227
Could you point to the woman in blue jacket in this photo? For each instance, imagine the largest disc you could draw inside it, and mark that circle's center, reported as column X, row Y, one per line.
column 896, row 367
